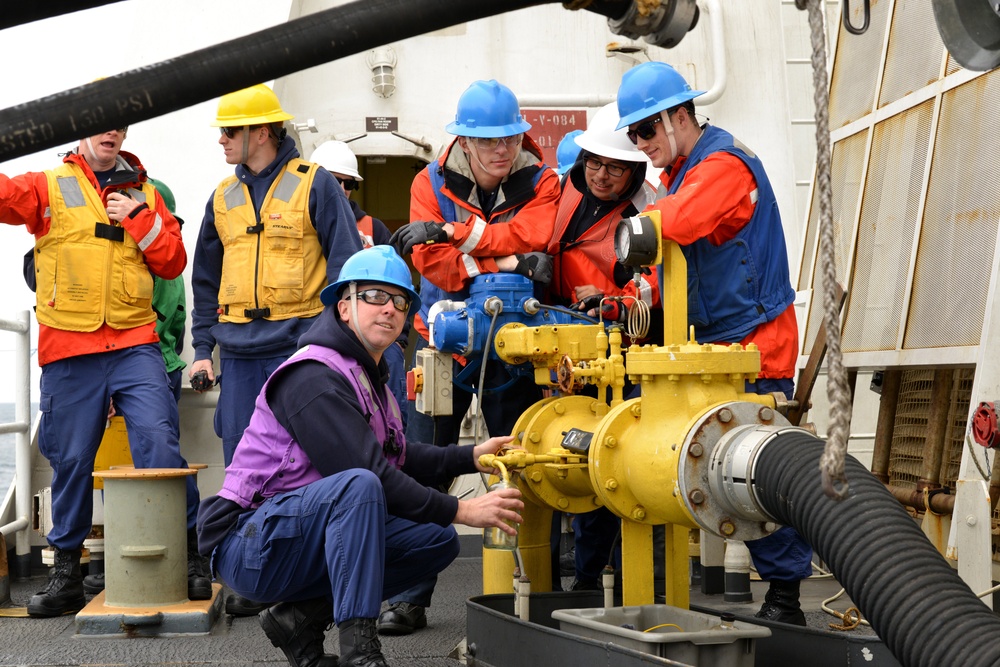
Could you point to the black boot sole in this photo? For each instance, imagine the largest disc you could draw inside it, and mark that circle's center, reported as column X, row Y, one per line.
column 39, row 610
column 272, row 630
column 234, row 608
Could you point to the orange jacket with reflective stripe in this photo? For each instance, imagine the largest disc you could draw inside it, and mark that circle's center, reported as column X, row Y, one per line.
column 25, row 200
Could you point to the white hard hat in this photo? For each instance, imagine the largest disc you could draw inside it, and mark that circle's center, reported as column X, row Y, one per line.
column 601, row 138
column 337, row 157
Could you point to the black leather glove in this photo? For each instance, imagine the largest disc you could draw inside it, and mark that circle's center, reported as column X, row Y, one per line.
column 535, row 265
column 417, row 233
column 588, row 303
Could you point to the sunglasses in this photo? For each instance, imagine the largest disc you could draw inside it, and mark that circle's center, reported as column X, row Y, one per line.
column 613, row 170
column 377, row 297
column 123, row 129
column 230, row 132
column 490, row 143
column 645, row 130
column 348, row 183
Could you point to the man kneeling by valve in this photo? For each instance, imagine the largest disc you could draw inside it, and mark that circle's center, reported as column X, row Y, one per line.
column 321, row 510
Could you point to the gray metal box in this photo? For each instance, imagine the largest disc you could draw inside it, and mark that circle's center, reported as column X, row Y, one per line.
column 698, row 639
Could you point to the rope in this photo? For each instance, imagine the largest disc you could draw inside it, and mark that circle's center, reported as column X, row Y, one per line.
column 850, row 618
column 832, row 462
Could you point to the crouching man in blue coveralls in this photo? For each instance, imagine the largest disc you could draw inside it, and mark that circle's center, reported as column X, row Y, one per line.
column 321, row 510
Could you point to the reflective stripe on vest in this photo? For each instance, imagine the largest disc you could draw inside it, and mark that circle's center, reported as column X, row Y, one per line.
column 89, row 271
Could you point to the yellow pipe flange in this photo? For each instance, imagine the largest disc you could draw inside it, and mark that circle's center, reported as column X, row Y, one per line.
column 626, row 451
column 520, row 440
column 563, row 485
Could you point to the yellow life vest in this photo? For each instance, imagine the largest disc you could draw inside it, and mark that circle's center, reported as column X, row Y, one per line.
column 274, row 269
column 88, row 270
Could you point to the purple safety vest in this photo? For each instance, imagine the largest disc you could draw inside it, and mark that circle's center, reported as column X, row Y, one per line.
column 268, row 461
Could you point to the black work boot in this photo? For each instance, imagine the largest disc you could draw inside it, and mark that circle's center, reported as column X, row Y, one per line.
column 64, row 592
column 237, row 605
column 781, row 604
column 93, row 583
column 199, row 581
column 359, row 644
column 297, row 628
column 401, row 618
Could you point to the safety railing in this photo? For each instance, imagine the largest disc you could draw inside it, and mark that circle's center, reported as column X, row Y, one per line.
column 21, row 427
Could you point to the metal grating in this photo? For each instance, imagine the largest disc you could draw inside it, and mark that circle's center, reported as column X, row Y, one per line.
column 952, row 66
column 909, row 433
column 958, row 234
column 852, row 82
column 846, row 166
column 958, row 419
column 889, row 210
column 908, row 69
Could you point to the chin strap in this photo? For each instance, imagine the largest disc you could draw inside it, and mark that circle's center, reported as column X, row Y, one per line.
column 246, row 145
column 669, row 129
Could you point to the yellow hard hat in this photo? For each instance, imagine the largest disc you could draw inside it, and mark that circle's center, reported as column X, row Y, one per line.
column 256, row 105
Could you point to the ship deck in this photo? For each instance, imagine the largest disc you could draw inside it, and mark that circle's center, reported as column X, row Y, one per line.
column 239, row 642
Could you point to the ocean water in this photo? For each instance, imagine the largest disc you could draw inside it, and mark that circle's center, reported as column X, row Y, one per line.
column 7, row 446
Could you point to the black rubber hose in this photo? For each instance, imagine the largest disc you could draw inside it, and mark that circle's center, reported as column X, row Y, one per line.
column 311, row 40
column 922, row 610
column 16, row 13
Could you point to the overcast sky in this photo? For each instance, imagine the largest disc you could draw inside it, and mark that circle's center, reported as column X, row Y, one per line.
column 180, row 149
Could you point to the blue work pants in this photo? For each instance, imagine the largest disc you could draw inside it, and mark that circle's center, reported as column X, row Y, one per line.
column 783, row 555
column 75, row 394
column 332, row 537
column 240, row 381
column 594, row 536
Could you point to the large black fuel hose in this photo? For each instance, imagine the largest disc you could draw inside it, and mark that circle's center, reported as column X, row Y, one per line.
column 920, row 608
column 308, row 41
column 17, row 13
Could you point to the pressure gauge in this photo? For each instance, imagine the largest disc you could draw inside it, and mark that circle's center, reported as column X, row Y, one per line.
column 637, row 241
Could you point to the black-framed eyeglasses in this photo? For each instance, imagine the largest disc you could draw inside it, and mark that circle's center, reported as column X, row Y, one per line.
column 645, row 130
column 348, row 183
column 378, row 297
column 490, row 143
column 230, row 132
column 613, row 170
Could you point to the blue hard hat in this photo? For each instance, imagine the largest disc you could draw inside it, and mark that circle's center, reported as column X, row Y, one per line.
column 649, row 88
column 488, row 109
column 378, row 264
column 568, row 151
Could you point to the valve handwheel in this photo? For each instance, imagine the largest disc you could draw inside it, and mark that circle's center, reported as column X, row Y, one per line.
column 984, row 426
column 564, row 375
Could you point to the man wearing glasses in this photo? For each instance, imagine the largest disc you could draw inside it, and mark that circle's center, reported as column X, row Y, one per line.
column 101, row 232
column 721, row 209
column 486, row 206
column 338, row 158
column 274, row 234
column 321, row 507
column 605, row 184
